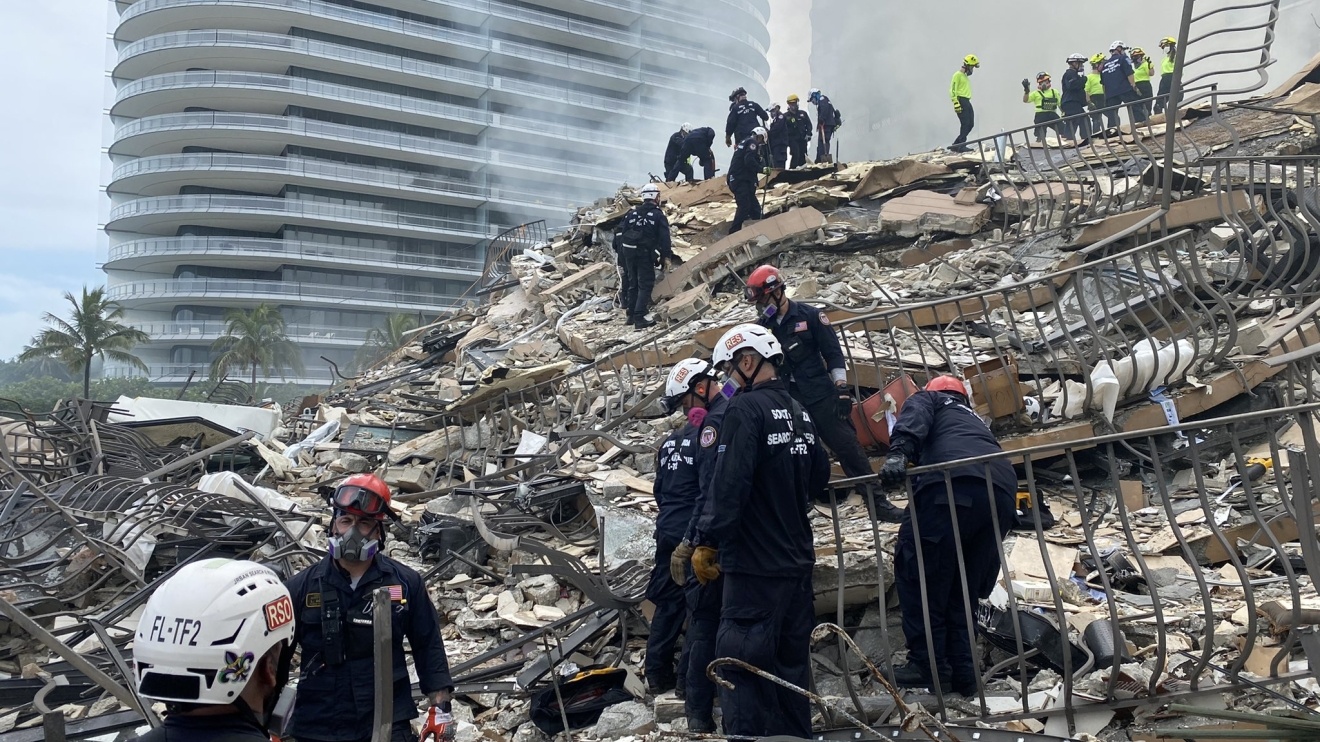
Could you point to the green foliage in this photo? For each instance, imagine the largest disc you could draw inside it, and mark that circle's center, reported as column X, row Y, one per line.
column 382, row 341
column 14, row 371
column 92, row 330
column 255, row 340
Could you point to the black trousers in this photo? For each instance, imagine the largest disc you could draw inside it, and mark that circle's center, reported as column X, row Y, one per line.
column 966, row 120
column 798, row 149
column 1045, row 121
column 1076, row 126
column 703, row 604
column 766, row 622
column 945, row 602
column 1166, row 84
column 638, row 279
column 824, row 136
column 839, row 437
column 1145, row 91
column 670, row 611
column 681, row 167
column 1136, row 114
column 779, row 156
column 707, row 161
column 400, row 731
column 1101, row 121
column 744, row 194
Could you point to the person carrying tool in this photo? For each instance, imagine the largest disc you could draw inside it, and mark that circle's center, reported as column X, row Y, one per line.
column 754, row 529
column 814, row 370
column 1120, row 86
column 778, row 138
column 744, row 116
column 334, row 600
column 799, row 132
column 1095, row 95
column 675, row 163
column 744, row 174
column 937, row 425
column 698, row 144
column 702, row 400
column 1076, row 126
column 828, row 121
column 1046, row 100
column 960, row 91
column 1167, row 67
column 1142, row 68
column 214, row 644
column 641, row 241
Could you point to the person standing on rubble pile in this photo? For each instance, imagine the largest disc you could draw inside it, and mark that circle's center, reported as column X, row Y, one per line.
column 799, row 132
column 1077, row 126
column 1120, row 86
column 744, row 174
column 692, row 386
column 675, row 163
column 214, row 644
column 755, row 530
column 1095, row 95
column 334, row 600
column 1167, row 67
column 815, row 371
column 744, row 116
column 1142, row 68
column 641, row 241
column 1046, row 100
column 960, row 91
column 698, row 144
column 778, row 138
column 937, row 425
column 828, row 121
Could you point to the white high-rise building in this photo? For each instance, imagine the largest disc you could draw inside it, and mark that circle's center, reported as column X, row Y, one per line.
column 346, row 160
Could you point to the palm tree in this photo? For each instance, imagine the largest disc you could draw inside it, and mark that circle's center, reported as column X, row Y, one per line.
column 381, row 341
column 255, row 340
column 92, row 331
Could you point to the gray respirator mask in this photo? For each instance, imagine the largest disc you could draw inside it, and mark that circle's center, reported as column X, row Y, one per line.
column 353, row 546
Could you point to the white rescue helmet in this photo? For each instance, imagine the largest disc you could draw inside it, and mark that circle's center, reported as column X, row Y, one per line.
column 650, row 192
column 684, row 374
column 1075, row 57
column 760, row 132
column 685, row 128
column 205, row 629
column 1117, row 45
column 746, row 337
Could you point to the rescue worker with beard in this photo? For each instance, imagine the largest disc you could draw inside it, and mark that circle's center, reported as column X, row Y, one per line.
column 744, row 174
column 799, row 132
column 938, row 425
column 214, row 644
column 816, row 375
column 692, row 385
column 675, row 163
column 333, row 602
column 778, row 133
column 755, row 530
column 744, row 116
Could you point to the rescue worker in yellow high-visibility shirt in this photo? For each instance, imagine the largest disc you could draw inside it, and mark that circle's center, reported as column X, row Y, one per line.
column 1142, row 69
column 960, row 92
column 1167, row 66
column 1095, row 94
column 1046, row 100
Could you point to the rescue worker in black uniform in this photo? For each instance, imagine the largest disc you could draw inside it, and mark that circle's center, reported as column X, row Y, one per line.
column 705, row 404
column 778, row 133
column 827, row 122
column 935, row 426
column 755, row 530
column 1075, row 126
column 744, row 116
column 698, row 144
column 817, row 376
column 799, row 127
column 333, row 602
column 675, row 163
column 744, row 174
column 641, row 240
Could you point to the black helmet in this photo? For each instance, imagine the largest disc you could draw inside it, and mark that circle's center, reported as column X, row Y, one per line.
column 734, row 95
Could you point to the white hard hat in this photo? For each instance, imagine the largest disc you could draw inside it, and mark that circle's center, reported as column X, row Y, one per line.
column 205, row 629
column 650, row 192
column 683, row 375
column 1117, row 45
column 685, row 128
column 1076, row 57
column 746, row 337
column 760, row 132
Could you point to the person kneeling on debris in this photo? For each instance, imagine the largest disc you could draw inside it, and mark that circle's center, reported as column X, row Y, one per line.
column 937, row 425
column 744, row 173
column 817, row 378
column 756, row 531
column 698, row 143
column 642, row 241
column 675, row 163
column 692, row 385
column 214, row 644
column 334, row 600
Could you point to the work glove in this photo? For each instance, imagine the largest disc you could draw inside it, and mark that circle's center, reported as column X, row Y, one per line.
column 1026, row 85
column 704, row 565
column 957, row 107
column 844, row 402
column 728, row 141
column 765, row 171
column 895, row 469
column 674, row 261
column 678, row 562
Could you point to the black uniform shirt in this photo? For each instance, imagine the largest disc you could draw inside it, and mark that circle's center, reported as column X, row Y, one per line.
column 935, row 427
column 710, row 431
column 745, row 167
column 799, row 124
column 1074, row 86
column 673, row 152
column 235, row 727
column 649, row 219
column 1114, row 74
column 744, row 116
column 811, row 350
column 698, row 143
column 677, row 484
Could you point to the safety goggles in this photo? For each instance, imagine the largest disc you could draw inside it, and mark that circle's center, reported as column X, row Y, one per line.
column 752, row 293
column 359, row 500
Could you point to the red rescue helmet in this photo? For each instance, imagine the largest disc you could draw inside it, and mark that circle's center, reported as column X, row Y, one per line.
column 946, row 383
column 363, row 494
column 762, row 281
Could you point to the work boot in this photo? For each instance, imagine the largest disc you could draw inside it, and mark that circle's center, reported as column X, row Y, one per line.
column 883, row 510
column 680, row 689
column 660, row 684
column 642, row 323
column 964, row 683
column 700, row 726
column 917, row 675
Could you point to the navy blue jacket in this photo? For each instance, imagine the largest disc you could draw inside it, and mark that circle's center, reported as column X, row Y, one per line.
column 677, row 482
column 335, row 701
column 778, row 131
column 223, row 728
column 743, row 117
column 811, row 349
column 745, row 167
column 826, row 115
column 1074, row 87
column 799, row 124
column 649, row 220
column 1114, row 74
column 674, row 152
column 698, row 143
column 935, row 427
column 710, row 432
column 769, row 467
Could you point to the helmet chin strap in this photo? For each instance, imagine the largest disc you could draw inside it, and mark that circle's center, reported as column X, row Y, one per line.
column 747, row 380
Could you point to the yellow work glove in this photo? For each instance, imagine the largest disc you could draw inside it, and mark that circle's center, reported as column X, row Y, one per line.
column 957, row 108
column 704, row 564
column 678, row 560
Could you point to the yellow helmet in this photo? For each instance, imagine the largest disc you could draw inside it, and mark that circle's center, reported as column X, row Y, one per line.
column 792, row 98
column 1097, row 58
column 1137, row 51
column 971, row 60
column 1167, row 42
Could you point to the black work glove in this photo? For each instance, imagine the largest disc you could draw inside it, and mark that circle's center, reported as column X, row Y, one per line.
column 1026, row 85
column 895, row 469
column 675, row 261
column 844, row 402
